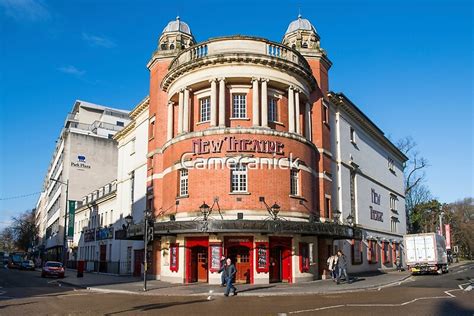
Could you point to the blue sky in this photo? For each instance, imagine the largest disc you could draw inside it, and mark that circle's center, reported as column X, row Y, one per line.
column 407, row 64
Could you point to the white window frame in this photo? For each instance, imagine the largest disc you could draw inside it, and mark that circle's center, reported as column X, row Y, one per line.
column 204, row 113
column 393, row 225
column 393, row 202
column 273, row 109
column 183, row 182
column 238, row 178
column 390, row 164
column 239, row 111
column 294, row 182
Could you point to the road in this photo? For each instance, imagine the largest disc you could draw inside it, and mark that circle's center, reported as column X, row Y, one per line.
column 25, row 293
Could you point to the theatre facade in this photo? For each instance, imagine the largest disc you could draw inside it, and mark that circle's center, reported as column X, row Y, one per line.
column 239, row 158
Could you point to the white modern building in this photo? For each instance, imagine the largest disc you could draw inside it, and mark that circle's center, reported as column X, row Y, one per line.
column 368, row 184
column 99, row 237
column 85, row 158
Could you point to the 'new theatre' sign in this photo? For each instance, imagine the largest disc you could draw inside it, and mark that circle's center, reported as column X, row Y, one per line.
column 233, row 145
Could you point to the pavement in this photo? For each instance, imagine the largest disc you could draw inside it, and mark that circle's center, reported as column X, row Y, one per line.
column 26, row 293
column 133, row 285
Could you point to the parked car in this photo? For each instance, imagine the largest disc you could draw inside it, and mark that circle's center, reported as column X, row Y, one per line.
column 52, row 268
column 27, row 265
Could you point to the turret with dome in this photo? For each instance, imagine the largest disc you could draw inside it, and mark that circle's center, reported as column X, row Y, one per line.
column 176, row 36
column 302, row 35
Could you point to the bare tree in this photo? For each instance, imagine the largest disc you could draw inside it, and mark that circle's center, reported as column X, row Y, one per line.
column 24, row 229
column 7, row 240
column 460, row 215
column 415, row 191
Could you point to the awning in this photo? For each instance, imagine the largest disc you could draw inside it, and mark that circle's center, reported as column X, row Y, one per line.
column 332, row 230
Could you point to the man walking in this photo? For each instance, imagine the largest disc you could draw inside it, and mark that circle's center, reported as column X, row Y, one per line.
column 342, row 264
column 221, row 270
column 230, row 272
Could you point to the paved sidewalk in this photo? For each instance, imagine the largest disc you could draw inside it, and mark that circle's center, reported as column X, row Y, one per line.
column 134, row 285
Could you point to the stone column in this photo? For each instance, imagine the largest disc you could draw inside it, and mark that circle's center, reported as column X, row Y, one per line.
column 255, row 105
column 169, row 131
column 308, row 121
column 264, row 103
column 213, row 102
column 180, row 111
column 222, row 102
column 297, row 111
column 186, row 111
column 291, row 110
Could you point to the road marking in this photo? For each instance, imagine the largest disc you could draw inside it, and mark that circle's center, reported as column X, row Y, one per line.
column 316, row 309
column 448, row 293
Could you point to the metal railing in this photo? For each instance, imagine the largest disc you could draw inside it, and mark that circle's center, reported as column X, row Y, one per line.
column 226, row 46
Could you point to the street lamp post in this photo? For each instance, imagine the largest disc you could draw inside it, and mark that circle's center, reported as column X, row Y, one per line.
column 441, row 214
column 148, row 237
column 65, row 219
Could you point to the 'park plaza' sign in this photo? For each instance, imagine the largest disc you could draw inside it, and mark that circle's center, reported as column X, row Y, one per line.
column 232, row 144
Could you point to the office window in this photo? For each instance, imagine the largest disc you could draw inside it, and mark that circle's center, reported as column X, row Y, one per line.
column 393, row 202
column 325, row 114
column 183, row 182
column 391, row 165
column 393, row 224
column 294, row 182
column 327, row 207
column 151, row 129
column 120, row 123
column 238, row 178
column 239, row 107
column 272, row 109
column 352, row 135
column 205, row 109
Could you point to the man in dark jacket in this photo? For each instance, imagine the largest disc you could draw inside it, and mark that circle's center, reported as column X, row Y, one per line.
column 221, row 270
column 229, row 272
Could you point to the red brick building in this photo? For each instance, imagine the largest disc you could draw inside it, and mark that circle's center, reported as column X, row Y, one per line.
column 239, row 157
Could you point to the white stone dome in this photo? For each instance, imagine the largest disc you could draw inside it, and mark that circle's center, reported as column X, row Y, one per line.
column 300, row 24
column 177, row 26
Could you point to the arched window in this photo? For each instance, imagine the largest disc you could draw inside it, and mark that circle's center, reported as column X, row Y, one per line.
column 305, row 45
column 163, row 46
column 293, row 46
column 172, row 46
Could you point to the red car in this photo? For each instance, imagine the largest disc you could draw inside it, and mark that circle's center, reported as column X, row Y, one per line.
column 52, row 268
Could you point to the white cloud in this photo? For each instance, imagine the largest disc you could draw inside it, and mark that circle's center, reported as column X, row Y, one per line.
column 71, row 70
column 29, row 10
column 95, row 40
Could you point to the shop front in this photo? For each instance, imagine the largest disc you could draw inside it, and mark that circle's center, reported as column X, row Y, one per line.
column 263, row 251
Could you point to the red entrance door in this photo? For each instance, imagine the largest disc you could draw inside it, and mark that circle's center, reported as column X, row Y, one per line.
column 197, row 249
column 240, row 256
column 138, row 262
column 199, row 264
column 240, row 250
column 280, row 259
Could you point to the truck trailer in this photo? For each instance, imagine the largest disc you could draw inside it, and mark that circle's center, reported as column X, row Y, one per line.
column 426, row 253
